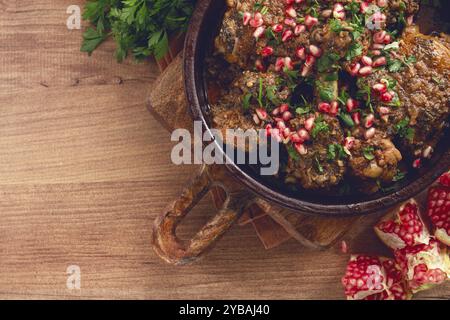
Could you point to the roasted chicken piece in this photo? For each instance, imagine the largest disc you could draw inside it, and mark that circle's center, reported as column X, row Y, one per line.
column 316, row 170
column 374, row 161
column 418, row 116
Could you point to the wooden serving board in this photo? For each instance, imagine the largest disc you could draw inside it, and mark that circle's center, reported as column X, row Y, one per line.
column 274, row 225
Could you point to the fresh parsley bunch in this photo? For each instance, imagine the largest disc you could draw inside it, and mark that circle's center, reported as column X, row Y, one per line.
column 139, row 27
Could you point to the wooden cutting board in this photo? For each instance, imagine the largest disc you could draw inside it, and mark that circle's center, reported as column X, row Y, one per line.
column 274, row 225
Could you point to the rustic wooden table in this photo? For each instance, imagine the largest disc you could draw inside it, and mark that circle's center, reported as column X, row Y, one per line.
column 84, row 170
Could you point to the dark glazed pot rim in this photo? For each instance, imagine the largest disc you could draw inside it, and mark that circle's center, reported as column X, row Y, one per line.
column 193, row 87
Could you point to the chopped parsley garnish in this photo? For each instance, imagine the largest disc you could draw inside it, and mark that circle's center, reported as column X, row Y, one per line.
column 305, row 108
column 336, row 151
column 318, row 165
column 368, row 153
column 326, row 90
column 260, row 92
column 346, row 119
column 355, row 50
column 404, row 130
column 320, row 126
column 396, row 65
column 327, row 62
column 246, row 101
column 293, row 154
column 399, row 176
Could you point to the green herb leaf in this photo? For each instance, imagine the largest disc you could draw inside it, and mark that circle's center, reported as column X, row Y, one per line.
column 91, row 40
column 368, row 153
column 246, row 101
column 320, row 126
column 336, row 151
column 292, row 152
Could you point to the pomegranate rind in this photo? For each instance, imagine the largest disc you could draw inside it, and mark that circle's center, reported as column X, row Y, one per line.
column 393, row 240
column 439, row 212
column 396, row 286
column 424, row 266
column 364, row 277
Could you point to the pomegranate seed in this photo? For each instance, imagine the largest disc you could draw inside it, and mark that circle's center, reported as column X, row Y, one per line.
column 309, row 123
column 310, row 21
column 276, row 111
column 378, row 46
column 384, row 110
column 279, row 64
column 427, row 152
column 369, row 121
column 281, row 125
column 381, row 61
column 378, row 17
column 259, row 32
column 366, row 60
column 379, row 37
column 417, row 163
column 349, row 142
column 334, row 108
column 261, row 113
column 246, row 18
column 284, row 107
column 310, row 60
column 356, row 118
column 324, row 107
column 298, row 1
column 354, row 69
column 387, row 39
column 305, row 70
column 379, row 88
column 338, row 11
column 303, row 134
column 290, row 11
column 286, row 132
column 287, row 116
column 287, row 34
column 387, row 97
column 275, row 133
column 255, row 23
column 289, row 2
column 344, row 247
column 290, row 22
column 370, row 133
column 300, row 53
column 365, row 71
column 259, row 65
column 364, row 6
column 315, row 51
column 301, row 149
column 288, row 63
column 277, row 28
column 375, row 52
column 256, row 119
column 267, row 51
column 299, row 29
column 351, row 104
column 268, row 130
column 382, row 3
column 326, row 13
column 295, row 138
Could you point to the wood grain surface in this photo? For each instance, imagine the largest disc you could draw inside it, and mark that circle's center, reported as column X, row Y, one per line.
column 84, row 170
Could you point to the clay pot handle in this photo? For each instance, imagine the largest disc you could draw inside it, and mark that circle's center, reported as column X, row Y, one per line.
column 176, row 251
